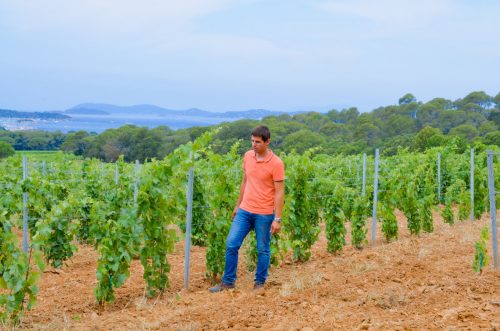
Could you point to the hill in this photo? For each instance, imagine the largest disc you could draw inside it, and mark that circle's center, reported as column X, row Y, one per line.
column 86, row 111
column 470, row 121
column 410, row 124
column 151, row 110
column 33, row 115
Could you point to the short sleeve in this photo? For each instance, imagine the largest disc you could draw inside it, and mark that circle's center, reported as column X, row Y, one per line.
column 279, row 171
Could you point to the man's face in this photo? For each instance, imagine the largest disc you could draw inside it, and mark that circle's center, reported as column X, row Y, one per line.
column 258, row 145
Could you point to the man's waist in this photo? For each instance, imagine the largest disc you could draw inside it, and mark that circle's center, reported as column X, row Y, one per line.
column 257, row 208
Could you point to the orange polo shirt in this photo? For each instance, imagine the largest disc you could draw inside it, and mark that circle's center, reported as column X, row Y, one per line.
column 258, row 197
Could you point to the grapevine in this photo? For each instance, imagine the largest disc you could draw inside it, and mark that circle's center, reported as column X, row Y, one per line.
column 389, row 222
column 300, row 223
column 18, row 277
column 335, row 226
column 222, row 200
column 481, row 257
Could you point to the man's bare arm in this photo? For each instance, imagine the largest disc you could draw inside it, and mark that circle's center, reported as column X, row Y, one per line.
column 242, row 192
column 279, row 201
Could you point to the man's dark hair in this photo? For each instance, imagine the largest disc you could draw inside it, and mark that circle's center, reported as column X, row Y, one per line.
column 262, row 131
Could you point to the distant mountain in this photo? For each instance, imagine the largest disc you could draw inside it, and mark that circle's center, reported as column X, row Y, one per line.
column 139, row 111
column 151, row 110
column 86, row 111
column 33, row 115
column 107, row 109
column 254, row 113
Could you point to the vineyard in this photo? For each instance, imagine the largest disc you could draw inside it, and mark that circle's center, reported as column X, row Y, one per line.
column 129, row 219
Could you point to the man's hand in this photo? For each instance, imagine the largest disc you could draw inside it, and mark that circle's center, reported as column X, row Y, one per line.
column 235, row 210
column 275, row 227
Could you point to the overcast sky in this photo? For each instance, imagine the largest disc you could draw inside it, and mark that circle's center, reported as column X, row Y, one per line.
column 223, row 55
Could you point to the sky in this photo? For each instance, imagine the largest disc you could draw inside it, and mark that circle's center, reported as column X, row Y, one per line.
column 222, row 55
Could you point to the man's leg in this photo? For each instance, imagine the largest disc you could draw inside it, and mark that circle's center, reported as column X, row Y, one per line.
column 240, row 227
column 263, row 236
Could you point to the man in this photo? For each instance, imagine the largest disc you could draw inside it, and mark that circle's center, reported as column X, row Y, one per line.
column 259, row 208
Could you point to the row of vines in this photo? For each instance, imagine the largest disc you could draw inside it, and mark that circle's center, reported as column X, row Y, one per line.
column 138, row 216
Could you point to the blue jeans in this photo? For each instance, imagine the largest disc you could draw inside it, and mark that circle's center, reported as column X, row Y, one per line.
column 243, row 223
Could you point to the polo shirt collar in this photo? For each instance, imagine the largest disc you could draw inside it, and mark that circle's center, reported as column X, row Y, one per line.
column 267, row 159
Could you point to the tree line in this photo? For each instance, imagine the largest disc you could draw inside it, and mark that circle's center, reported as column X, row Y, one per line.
column 411, row 124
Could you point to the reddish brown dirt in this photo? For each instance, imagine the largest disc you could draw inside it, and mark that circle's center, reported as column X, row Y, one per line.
column 423, row 282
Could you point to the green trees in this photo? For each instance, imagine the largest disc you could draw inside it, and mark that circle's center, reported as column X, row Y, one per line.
column 345, row 131
column 75, row 142
column 231, row 133
column 302, row 140
column 492, row 138
column 479, row 98
column 332, row 130
column 368, row 134
column 448, row 119
column 6, row 150
column 487, row 127
column 465, row 131
column 406, row 99
column 134, row 143
column 428, row 137
column 37, row 140
column 496, row 100
column 398, row 125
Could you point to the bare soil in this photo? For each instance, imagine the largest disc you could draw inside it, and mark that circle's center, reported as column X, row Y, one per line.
column 415, row 283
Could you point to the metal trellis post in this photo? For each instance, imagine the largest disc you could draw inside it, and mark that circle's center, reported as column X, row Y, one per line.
column 472, row 184
column 25, row 206
column 439, row 177
column 357, row 177
column 375, row 197
column 363, row 188
column 493, row 208
column 136, row 184
column 116, row 173
column 189, row 218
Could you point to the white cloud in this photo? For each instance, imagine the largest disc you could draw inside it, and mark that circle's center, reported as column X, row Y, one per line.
column 108, row 16
column 155, row 26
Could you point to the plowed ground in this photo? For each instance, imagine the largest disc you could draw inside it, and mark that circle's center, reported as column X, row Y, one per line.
column 423, row 282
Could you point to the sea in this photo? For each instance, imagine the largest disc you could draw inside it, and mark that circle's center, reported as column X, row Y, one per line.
column 100, row 123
